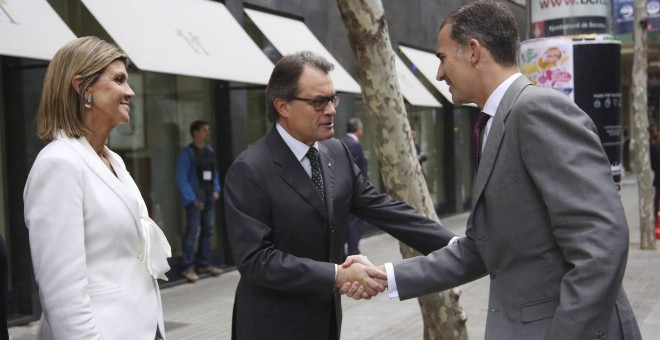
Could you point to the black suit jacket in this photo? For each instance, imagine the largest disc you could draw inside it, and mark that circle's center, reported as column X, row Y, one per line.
column 358, row 155
column 286, row 241
column 655, row 162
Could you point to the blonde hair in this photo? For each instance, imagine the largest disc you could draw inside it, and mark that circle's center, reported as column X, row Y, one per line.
column 61, row 106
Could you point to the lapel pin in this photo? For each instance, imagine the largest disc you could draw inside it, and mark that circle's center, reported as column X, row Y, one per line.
column 330, row 165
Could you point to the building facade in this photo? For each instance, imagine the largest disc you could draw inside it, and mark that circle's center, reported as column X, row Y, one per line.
column 170, row 96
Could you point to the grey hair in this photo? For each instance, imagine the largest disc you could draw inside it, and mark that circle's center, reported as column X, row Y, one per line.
column 353, row 124
column 283, row 81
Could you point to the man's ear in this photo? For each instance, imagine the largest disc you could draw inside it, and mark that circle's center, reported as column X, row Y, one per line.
column 282, row 107
column 474, row 48
column 77, row 80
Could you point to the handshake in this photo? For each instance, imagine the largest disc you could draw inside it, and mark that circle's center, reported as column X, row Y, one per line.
column 359, row 279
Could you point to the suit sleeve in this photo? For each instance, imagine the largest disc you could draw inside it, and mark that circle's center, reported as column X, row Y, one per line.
column 359, row 159
column 247, row 209
column 444, row 268
column 563, row 154
column 55, row 218
column 397, row 218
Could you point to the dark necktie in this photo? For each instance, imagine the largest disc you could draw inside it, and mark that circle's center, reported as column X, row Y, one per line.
column 313, row 156
column 476, row 133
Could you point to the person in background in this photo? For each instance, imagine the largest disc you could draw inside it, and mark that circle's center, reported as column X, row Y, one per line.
column 96, row 253
column 421, row 155
column 199, row 184
column 352, row 138
column 654, row 149
column 626, row 149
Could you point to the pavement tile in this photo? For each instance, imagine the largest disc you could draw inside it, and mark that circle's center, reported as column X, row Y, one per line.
column 203, row 310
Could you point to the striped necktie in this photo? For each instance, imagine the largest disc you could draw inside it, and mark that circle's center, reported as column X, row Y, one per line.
column 313, row 156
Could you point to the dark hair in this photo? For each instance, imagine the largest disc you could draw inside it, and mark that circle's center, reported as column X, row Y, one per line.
column 490, row 23
column 196, row 125
column 353, row 124
column 283, row 81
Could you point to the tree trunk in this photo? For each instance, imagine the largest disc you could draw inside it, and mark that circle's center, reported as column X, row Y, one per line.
column 641, row 130
column 401, row 172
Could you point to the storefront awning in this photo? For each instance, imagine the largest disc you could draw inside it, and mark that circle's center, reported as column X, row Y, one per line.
column 198, row 38
column 290, row 36
column 427, row 64
column 31, row 29
column 412, row 89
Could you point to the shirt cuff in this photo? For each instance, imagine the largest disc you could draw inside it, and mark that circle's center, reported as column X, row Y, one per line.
column 336, row 272
column 392, row 292
column 453, row 240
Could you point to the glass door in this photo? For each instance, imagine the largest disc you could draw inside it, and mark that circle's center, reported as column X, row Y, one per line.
column 3, row 187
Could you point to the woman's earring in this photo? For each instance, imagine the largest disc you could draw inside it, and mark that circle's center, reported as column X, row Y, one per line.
column 88, row 102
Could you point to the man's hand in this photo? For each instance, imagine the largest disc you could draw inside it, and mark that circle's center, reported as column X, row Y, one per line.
column 368, row 279
column 356, row 289
column 357, row 259
column 199, row 205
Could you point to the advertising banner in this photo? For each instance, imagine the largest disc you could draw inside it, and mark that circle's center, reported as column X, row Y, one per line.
column 597, row 67
column 589, row 71
column 624, row 15
column 549, row 63
column 551, row 18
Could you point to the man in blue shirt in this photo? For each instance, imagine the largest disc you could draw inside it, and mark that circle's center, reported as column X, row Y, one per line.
column 199, row 184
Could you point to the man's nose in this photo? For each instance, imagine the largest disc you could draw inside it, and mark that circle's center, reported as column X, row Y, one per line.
column 440, row 75
column 330, row 109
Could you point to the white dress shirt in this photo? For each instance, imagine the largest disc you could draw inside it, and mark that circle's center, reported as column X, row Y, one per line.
column 298, row 148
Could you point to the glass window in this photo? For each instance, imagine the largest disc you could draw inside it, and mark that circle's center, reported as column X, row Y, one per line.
column 161, row 113
column 429, row 126
column 3, row 193
column 258, row 124
column 368, row 146
column 464, row 164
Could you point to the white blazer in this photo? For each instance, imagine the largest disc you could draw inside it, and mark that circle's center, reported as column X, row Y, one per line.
column 87, row 246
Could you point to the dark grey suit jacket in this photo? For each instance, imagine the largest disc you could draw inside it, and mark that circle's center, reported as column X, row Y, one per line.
column 285, row 240
column 547, row 225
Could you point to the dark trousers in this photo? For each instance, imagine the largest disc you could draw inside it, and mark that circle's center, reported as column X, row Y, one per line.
column 196, row 219
column 655, row 203
column 353, row 235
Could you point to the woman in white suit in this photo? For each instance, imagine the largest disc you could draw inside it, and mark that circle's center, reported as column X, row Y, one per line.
column 96, row 253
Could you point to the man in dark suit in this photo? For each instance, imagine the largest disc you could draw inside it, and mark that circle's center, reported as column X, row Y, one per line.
column 547, row 224
column 352, row 137
column 287, row 200
column 655, row 166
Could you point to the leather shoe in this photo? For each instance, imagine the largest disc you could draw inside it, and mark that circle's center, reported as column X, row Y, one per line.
column 190, row 275
column 213, row 270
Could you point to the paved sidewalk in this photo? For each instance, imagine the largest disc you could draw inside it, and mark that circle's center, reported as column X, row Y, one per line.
column 203, row 310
